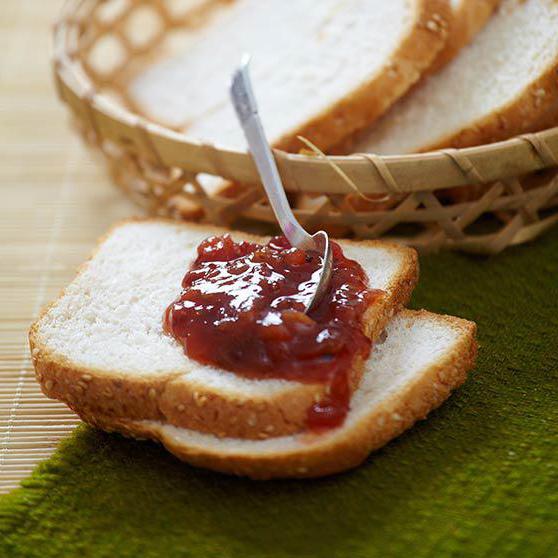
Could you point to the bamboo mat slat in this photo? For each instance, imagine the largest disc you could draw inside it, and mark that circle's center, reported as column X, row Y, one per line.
column 56, row 200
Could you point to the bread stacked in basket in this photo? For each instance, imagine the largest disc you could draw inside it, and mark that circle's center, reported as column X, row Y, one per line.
column 375, row 77
column 408, row 75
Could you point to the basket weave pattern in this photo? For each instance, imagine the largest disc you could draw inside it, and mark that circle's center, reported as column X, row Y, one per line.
column 501, row 194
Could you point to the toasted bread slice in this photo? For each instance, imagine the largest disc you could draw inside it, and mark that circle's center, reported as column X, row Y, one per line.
column 320, row 69
column 497, row 87
column 423, row 358
column 101, row 348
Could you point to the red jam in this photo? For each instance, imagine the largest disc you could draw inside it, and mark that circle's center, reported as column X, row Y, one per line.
column 242, row 309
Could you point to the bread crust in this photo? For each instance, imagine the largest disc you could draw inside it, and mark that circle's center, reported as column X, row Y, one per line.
column 176, row 399
column 464, row 24
column 342, row 450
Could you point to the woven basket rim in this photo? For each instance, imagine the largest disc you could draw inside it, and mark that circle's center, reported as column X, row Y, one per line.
column 374, row 173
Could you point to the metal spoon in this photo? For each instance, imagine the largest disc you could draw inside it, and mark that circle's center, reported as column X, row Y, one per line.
column 246, row 109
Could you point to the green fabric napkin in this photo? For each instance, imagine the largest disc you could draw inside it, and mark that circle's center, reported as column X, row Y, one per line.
column 478, row 478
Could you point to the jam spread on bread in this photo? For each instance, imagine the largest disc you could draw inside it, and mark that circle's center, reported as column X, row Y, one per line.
column 242, row 309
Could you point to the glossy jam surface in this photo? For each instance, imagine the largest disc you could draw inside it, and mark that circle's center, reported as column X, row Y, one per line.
column 242, row 308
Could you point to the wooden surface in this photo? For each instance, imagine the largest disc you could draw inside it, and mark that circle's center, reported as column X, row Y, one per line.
column 56, row 200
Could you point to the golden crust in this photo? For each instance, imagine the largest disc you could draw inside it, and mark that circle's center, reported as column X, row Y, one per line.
column 338, row 452
column 464, row 24
column 176, row 399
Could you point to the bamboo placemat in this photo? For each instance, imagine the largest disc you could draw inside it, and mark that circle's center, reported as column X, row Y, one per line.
column 56, row 200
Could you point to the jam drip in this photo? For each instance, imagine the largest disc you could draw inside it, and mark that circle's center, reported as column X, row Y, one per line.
column 242, row 309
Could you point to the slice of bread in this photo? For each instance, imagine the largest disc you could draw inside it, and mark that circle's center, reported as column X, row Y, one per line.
column 497, row 87
column 423, row 358
column 321, row 68
column 101, row 348
column 468, row 17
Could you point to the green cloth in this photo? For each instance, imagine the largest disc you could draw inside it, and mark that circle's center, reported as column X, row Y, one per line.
column 478, row 478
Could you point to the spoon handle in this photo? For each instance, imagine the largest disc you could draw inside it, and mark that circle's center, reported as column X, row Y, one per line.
column 246, row 109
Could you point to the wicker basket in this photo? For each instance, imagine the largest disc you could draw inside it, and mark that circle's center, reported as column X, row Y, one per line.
column 160, row 167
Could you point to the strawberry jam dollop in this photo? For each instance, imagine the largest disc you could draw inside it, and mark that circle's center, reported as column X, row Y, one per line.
column 242, row 309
